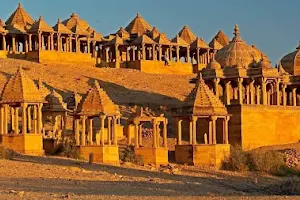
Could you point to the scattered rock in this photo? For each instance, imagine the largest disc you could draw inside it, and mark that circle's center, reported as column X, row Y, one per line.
column 21, row 194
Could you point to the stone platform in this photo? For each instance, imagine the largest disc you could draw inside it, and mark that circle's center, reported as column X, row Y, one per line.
column 102, row 154
column 156, row 156
column 31, row 144
column 202, row 155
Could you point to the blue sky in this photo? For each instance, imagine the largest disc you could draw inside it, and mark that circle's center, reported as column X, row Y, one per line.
column 272, row 25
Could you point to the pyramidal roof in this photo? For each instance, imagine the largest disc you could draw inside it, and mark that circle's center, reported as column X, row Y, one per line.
column 2, row 29
column 20, row 18
column 54, row 102
column 179, row 41
column 61, row 28
column 116, row 41
column 40, row 25
column 187, row 34
column 20, row 89
column 163, row 40
column 138, row 26
column 155, row 32
column 203, row 102
column 77, row 29
column 74, row 20
column 97, row 102
column 143, row 39
column 222, row 38
column 2, row 23
column 123, row 33
column 43, row 89
column 214, row 44
column 199, row 43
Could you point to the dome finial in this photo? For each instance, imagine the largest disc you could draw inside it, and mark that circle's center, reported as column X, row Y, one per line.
column 138, row 14
column 58, row 20
column 236, row 30
column 19, row 5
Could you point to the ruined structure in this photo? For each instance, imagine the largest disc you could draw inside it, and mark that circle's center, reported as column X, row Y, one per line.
column 21, row 101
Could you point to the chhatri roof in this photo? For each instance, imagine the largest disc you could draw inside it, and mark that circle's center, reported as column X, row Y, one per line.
column 138, row 26
column 237, row 53
column 163, row 40
column 214, row 44
column 40, row 25
column 97, row 102
column 143, row 39
column 74, row 21
column 43, row 89
column 213, row 64
column 77, row 29
column 20, row 89
column 179, row 41
column 203, row 102
column 122, row 33
column 199, row 43
column 291, row 61
column 2, row 23
column 61, row 28
column 186, row 34
column 222, row 38
column 116, row 41
column 54, row 102
column 2, row 29
column 19, row 18
column 154, row 32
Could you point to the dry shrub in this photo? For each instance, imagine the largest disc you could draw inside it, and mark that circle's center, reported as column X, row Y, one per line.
column 286, row 187
column 6, row 153
column 67, row 148
column 270, row 162
column 127, row 154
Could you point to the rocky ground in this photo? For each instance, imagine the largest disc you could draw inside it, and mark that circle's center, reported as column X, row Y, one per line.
column 59, row 178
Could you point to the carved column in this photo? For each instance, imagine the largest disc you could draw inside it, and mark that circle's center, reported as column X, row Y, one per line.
column 194, row 119
column 197, row 56
column 39, row 118
column 170, row 54
column 177, row 54
column 284, row 94
column 133, row 53
column 294, row 96
column 106, row 54
column 77, row 132
column 165, row 137
column 154, row 53
column 77, row 44
column 264, row 91
column 225, row 130
column 257, row 95
column 191, row 131
column 3, row 42
column 115, row 136
column 12, row 118
column 16, row 120
column 159, row 52
column 216, row 86
column 227, row 92
column 88, row 45
column 52, row 41
column 143, row 52
column 70, row 43
column 1, row 120
column 58, row 42
column 102, row 121
column 136, row 134
column 210, row 134
column 208, row 57
column 24, row 120
column 90, row 133
column 240, row 90
column 179, row 132
column 154, row 133
column 26, row 44
column 214, row 129
column 34, row 119
column 140, row 134
column 82, row 142
column 13, row 43
column 247, row 94
column 252, row 92
column 109, row 130
column 29, row 118
column 188, row 54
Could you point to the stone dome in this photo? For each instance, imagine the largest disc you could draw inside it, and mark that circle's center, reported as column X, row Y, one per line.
column 264, row 62
column 213, row 64
column 238, row 53
column 291, row 62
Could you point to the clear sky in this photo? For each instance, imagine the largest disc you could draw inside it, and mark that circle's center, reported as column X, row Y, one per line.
column 272, row 25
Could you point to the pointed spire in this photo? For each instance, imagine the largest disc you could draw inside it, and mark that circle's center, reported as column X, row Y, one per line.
column 138, row 15
column 19, row 5
column 236, row 31
column 58, row 20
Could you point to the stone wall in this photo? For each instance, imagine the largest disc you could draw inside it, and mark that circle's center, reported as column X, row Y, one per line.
column 254, row 126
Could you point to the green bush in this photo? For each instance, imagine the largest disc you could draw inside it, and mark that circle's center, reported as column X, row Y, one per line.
column 128, row 155
column 270, row 162
column 67, row 148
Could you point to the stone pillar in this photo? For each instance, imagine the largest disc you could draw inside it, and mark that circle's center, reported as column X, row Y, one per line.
column 177, row 54
column 82, row 142
column 52, row 41
column 24, row 120
column 102, row 121
column 225, row 130
column 188, row 54
column 90, row 133
column 216, row 86
column 34, row 119
column 191, row 131
column 154, row 133
column 264, row 91
column 88, row 45
column 109, row 130
column 208, row 57
column 133, row 53
column 3, row 42
column 283, row 94
column 143, row 52
column 214, row 129
column 39, row 118
column 115, row 136
column 5, row 126
column 179, row 132
column 26, row 44
column 16, row 120
column 153, row 53
column 240, row 90
column 294, row 96
column 42, row 42
column 159, row 52
column 194, row 119
column 140, row 134
column 170, row 54
column 210, row 134
column 165, row 136
column 257, row 95
column 39, row 41
column 70, row 43
column 158, row 134
column 77, row 132
column 227, row 93
column 106, row 54
column 252, row 92
column 30, row 42
column 13, row 45
column 197, row 55
column 1, row 120
column 94, row 53
column 48, row 43
column 136, row 134
column 29, row 118
column 247, row 94
column 12, row 118
column 58, row 42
